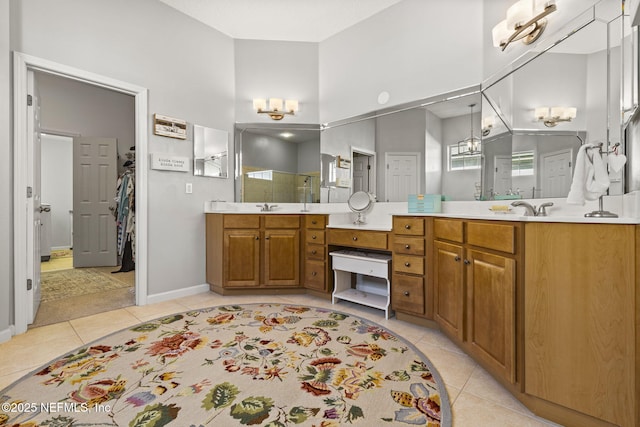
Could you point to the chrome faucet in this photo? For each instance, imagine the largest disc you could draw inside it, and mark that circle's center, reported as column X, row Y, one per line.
column 531, row 210
column 266, row 207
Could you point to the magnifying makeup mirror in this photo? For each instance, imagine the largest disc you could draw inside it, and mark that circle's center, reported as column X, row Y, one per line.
column 360, row 202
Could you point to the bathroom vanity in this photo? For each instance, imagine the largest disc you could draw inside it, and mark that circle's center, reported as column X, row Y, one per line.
column 549, row 306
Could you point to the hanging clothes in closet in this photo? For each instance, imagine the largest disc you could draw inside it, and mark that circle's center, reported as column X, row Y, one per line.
column 125, row 217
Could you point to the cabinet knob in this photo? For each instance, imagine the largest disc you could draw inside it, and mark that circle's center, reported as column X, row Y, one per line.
column 314, row 222
column 355, row 238
column 314, row 273
column 266, row 238
column 406, row 293
column 406, row 246
column 406, row 264
column 313, row 237
column 313, row 252
column 257, row 238
column 457, row 258
column 466, row 261
column 407, row 227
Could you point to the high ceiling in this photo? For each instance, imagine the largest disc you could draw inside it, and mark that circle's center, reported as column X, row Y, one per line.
column 286, row 20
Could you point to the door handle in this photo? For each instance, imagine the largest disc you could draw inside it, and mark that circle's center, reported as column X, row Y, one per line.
column 44, row 209
column 466, row 261
column 457, row 258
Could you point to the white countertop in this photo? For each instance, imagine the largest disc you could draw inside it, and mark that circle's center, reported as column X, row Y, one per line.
column 380, row 218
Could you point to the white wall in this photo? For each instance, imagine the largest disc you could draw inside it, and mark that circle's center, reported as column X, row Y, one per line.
column 57, row 186
column 188, row 69
column 276, row 69
column 433, row 154
column 412, row 50
column 6, row 179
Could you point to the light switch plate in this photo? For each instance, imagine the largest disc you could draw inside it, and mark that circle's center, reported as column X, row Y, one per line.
column 188, row 188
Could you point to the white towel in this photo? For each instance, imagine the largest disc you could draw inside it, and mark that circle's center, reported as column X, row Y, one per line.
column 590, row 177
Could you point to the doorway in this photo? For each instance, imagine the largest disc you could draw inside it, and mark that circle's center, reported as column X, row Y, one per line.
column 363, row 170
column 402, row 176
column 25, row 262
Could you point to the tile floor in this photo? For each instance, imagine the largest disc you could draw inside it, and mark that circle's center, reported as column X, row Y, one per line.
column 477, row 399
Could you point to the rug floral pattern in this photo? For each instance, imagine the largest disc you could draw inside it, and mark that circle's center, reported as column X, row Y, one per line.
column 256, row 365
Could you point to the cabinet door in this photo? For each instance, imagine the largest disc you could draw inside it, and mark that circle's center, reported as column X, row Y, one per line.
column 241, row 258
column 491, row 311
column 282, row 257
column 449, row 288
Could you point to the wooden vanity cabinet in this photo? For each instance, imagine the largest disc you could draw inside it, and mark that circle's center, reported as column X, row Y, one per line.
column 316, row 274
column 409, row 291
column 252, row 251
column 582, row 322
column 475, row 282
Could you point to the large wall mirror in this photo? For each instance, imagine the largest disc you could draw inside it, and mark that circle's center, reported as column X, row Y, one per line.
column 578, row 76
column 277, row 163
column 478, row 143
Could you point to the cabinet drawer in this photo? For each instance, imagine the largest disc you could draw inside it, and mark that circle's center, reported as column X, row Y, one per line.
column 408, row 245
column 281, row 221
column 314, row 275
column 358, row 239
column 315, row 252
column 375, row 268
column 315, row 236
column 500, row 237
column 241, row 221
column 408, row 264
column 407, row 294
column 408, row 226
column 315, row 221
column 448, row 229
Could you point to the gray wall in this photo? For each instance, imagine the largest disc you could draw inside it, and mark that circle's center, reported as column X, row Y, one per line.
column 6, row 179
column 267, row 152
column 79, row 108
column 411, row 50
column 188, row 69
column 276, row 69
column 400, row 132
column 309, row 156
column 458, row 185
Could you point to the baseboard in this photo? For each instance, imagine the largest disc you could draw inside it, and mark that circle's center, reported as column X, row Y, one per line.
column 178, row 293
column 6, row 334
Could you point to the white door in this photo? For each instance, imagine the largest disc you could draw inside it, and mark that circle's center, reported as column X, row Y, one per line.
column 502, row 177
column 94, row 189
column 402, row 176
column 360, row 167
column 33, row 203
column 555, row 174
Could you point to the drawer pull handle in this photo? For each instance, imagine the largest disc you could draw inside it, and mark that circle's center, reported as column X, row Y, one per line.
column 313, row 252
column 406, row 293
column 314, row 273
column 313, row 237
column 406, row 264
column 408, row 227
column 466, row 261
column 457, row 258
column 355, row 238
column 406, row 246
column 314, row 222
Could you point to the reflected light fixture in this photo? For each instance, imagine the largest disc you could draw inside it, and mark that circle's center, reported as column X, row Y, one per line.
column 554, row 115
column 487, row 124
column 470, row 145
column 525, row 21
column 275, row 108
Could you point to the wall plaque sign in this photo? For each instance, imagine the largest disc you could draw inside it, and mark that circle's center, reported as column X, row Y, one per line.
column 168, row 162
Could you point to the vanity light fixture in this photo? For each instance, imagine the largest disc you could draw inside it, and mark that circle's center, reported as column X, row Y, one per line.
column 275, row 110
column 470, row 145
column 525, row 21
column 554, row 115
column 487, row 124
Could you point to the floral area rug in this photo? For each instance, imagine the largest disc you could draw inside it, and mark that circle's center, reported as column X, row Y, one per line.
column 257, row 365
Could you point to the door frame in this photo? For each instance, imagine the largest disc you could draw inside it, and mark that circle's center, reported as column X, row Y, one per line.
column 372, row 172
column 415, row 154
column 21, row 63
